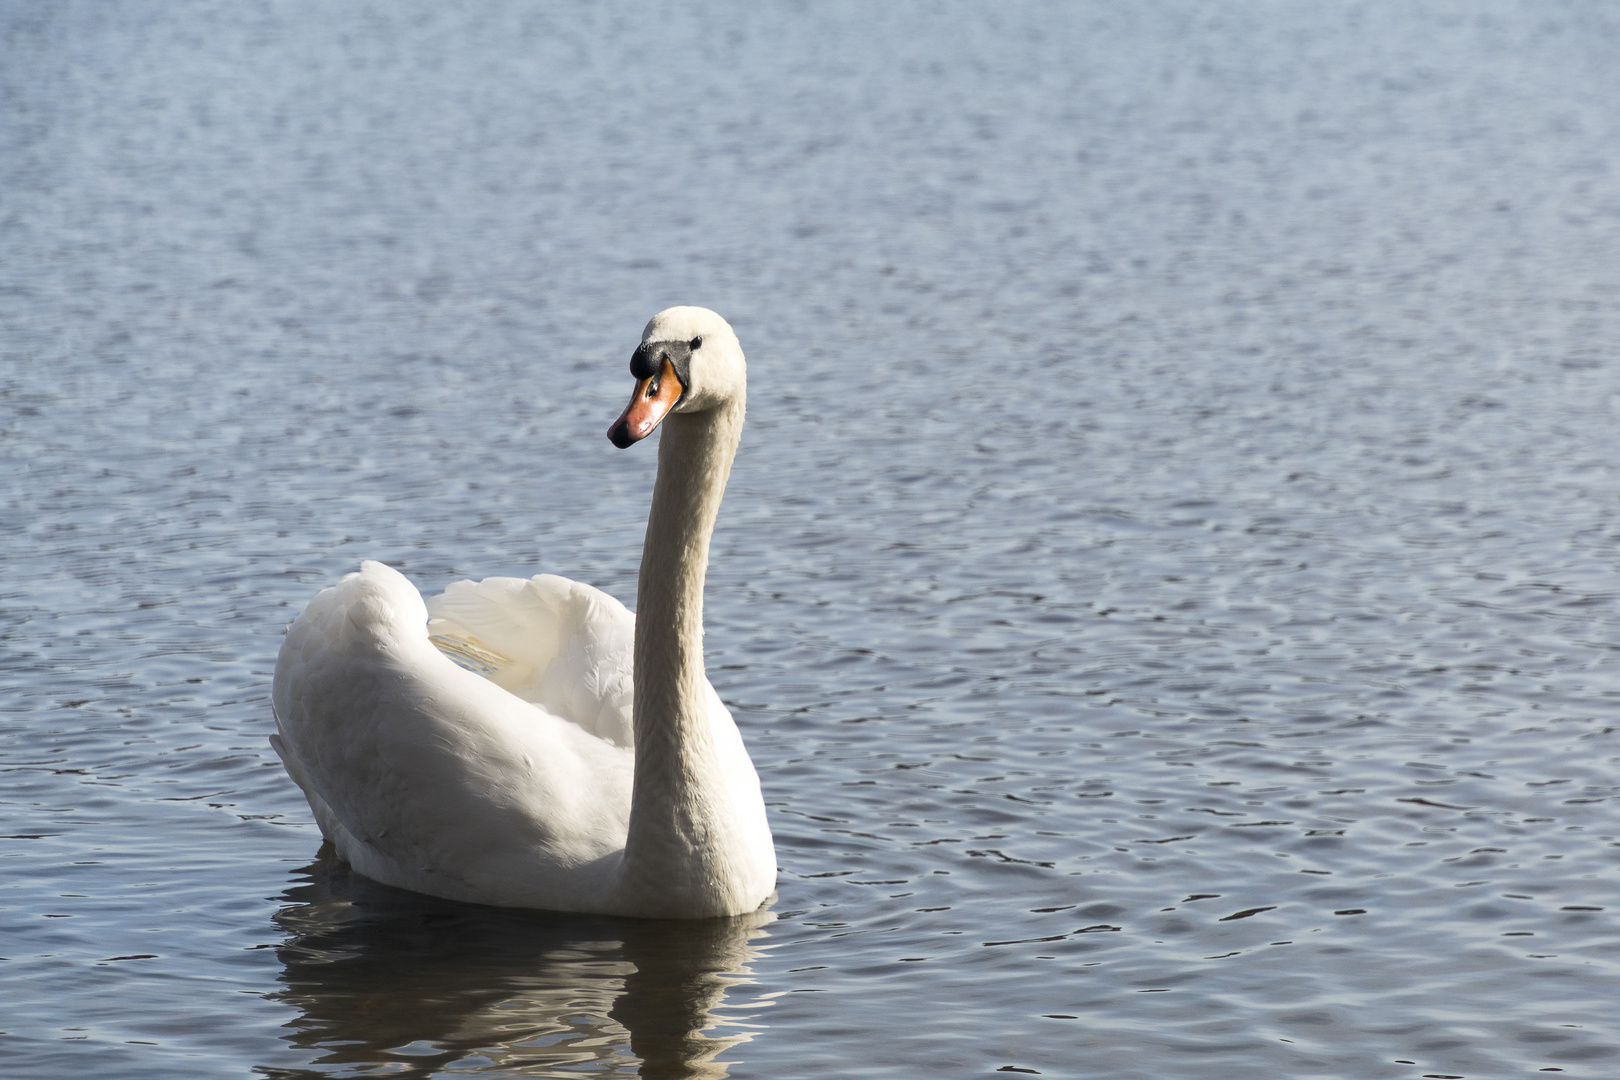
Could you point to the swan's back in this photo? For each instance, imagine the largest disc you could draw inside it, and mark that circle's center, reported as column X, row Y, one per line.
column 428, row 776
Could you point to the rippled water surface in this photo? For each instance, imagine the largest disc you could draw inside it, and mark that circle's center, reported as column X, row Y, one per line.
column 1169, row 583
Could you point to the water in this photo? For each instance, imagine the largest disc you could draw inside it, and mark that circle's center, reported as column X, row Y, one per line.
column 1169, row 582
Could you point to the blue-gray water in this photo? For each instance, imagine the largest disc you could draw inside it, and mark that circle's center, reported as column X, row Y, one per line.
column 1169, row 583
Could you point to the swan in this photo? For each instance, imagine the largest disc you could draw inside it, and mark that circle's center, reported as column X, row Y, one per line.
column 576, row 758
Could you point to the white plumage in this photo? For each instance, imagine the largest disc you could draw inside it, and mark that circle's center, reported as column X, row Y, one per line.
column 586, row 764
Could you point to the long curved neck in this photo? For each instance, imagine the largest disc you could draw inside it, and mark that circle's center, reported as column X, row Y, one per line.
column 679, row 826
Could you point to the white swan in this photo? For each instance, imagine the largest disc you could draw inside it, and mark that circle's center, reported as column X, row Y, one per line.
column 537, row 784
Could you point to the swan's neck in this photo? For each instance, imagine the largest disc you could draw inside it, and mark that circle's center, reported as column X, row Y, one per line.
column 680, row 821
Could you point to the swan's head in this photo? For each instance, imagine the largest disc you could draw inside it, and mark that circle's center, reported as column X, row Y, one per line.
column 688, row 361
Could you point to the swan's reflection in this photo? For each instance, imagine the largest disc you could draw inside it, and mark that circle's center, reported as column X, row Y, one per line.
column 410, row 985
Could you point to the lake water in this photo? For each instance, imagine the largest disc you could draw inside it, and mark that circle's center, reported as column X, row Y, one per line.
column 1170, row 584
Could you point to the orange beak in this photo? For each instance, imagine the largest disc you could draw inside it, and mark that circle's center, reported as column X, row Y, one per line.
column 651, row 402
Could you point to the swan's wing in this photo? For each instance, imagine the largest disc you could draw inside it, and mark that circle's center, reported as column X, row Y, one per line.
column 561, row 644
column 430, row 776
column 569, row 648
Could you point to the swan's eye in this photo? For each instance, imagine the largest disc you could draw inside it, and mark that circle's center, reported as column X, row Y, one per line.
column 697, row 343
